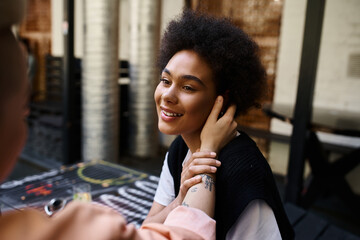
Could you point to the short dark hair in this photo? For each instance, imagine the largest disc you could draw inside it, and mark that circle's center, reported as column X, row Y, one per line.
column 231, row 53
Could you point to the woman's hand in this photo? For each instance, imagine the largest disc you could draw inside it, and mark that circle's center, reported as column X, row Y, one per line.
column 216, row 133
column 86, row 221
column 199, row 163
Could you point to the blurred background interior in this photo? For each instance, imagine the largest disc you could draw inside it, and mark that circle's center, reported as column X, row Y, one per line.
column 92, row 72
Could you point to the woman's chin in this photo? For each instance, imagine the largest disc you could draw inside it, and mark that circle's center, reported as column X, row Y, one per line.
column 168, row 131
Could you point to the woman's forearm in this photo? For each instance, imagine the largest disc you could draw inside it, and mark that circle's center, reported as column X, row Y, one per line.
column 162, row 212
column 202, row 195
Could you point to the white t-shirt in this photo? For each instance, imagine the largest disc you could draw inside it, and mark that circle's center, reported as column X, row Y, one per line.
column 257, row 221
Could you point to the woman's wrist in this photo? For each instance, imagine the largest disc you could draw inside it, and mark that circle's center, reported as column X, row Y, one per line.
column 209, row 148
column 178, row 200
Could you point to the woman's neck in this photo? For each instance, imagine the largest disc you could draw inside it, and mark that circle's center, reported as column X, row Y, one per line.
column 192, row 141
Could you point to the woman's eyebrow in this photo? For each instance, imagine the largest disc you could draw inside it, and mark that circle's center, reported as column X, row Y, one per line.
column 186, row 76
column 167, row 71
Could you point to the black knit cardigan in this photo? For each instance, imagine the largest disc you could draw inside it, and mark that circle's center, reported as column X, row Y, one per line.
column 244, row 176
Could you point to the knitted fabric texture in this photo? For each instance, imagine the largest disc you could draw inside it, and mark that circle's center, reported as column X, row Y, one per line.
column 244, row 176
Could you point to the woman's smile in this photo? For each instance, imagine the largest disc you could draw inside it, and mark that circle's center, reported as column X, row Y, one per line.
column 185, row 94
column 168, row 115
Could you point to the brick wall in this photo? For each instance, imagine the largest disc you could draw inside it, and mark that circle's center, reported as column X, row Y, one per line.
column 36, row 27
column 261, row 19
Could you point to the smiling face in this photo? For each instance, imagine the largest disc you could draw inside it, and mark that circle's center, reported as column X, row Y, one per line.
column 185, row 95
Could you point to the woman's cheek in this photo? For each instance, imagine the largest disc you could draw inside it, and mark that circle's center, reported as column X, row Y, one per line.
column 157, row 95
column 206, row 105
column 201, row 108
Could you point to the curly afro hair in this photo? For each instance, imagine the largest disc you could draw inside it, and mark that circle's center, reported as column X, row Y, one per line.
column 232, row 55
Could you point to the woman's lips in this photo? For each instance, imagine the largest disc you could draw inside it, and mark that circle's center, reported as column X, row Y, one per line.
column 168, row 115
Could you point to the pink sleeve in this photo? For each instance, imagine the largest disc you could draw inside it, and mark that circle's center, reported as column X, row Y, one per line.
column 183, row 223
column 192, row 219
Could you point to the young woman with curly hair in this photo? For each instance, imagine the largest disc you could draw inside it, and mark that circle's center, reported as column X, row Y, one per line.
column 202, row 60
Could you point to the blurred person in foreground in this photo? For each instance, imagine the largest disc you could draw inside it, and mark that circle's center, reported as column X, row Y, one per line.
column 192, row 220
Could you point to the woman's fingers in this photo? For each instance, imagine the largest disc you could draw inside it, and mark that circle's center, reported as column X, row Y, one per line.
column 228, row 122
column 214, row 114
column 201, row 166
column 190, row 182
column 199, row 163
column 204, row 154
column 217, row 132
column 206, row 161
column 200, row 169
column 230, row 112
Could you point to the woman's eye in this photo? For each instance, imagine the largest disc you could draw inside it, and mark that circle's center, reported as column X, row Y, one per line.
column 164, row 81
column 188, row 88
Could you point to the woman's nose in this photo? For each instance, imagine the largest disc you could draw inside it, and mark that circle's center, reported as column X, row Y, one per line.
column 169, row 95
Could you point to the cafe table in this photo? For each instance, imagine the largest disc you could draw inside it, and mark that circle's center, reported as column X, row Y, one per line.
column 128, row 191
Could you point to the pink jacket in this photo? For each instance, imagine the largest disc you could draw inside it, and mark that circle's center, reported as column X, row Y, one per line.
column 85, row 221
